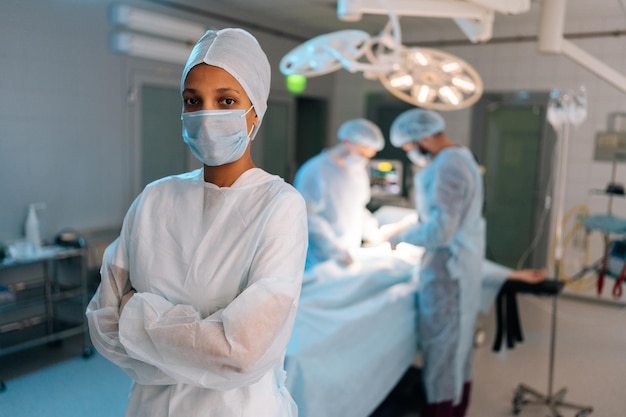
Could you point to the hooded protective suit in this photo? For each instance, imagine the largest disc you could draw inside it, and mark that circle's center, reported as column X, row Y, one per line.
column 199, row 292
column 336, row 190
column 449, row 200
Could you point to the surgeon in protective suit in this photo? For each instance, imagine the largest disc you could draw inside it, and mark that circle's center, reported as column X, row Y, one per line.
column 449, row 200
column 199, row 292
column 336, row 187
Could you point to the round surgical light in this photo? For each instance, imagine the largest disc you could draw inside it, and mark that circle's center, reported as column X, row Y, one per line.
column 320, row 55
column 424, row 77
column 433, row 79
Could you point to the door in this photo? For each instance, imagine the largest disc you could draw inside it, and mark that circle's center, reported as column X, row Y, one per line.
column 157, row 147
column 513, row 143
column 163, row 151
column 275, row 129
column 311, row 120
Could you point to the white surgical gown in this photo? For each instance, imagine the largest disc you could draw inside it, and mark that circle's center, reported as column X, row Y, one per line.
column 449, row 200
column 218, row 273
column 336, row 197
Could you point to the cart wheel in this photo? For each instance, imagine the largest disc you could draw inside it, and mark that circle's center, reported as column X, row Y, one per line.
column 518, row 401
column 3, row 386
column 87, row 352
column 518, row 396
column 517, row 405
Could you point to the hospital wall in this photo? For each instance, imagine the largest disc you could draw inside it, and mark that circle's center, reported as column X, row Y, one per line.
column 65, row 134
column 65, row 118
column 518, row 66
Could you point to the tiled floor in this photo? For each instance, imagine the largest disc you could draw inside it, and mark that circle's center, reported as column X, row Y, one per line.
column 590, row 361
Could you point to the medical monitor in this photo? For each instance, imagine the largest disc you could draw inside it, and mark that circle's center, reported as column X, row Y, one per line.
column 385, row 177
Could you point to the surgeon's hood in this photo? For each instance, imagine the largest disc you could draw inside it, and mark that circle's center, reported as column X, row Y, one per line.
column 239, row 53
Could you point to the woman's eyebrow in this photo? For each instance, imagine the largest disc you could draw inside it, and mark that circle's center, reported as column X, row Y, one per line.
column 228, row 90
column 222, row 90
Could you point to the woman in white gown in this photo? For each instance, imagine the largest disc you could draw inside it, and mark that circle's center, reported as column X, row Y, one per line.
column 199, row 292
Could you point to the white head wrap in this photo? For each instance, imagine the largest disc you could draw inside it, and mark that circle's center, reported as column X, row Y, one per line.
column 414, row 125
column 239, row 53
column 362, row 132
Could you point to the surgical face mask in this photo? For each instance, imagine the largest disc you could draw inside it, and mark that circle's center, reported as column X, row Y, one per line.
column 418, row 158
column 355, row 159
column 216, row 137
column 423, row 150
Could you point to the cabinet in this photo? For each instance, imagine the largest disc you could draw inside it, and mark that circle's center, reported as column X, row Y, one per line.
column 43, row 299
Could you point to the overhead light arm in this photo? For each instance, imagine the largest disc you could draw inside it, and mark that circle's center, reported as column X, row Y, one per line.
column 474, row 17
column 351, row 10
column 551, row 41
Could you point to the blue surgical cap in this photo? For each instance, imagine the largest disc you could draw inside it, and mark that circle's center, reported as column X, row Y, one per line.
column 362, row 132
column 239, row 53
column 414, row 125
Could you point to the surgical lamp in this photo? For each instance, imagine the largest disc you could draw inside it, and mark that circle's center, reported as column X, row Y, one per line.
column 423, row 77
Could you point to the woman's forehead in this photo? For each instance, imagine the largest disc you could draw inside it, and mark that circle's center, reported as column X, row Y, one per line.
column 212, row 77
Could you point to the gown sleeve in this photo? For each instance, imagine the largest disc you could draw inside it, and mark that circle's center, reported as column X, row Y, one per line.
column 445, row 205
column 103, row 315
column 312, row 188
column 237, row 345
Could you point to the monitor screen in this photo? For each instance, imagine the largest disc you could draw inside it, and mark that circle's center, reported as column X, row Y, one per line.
column 385, row 177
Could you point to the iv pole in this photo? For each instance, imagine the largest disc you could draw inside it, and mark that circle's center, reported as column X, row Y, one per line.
column 554, row 400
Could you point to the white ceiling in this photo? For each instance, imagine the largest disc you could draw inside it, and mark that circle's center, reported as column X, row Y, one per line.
column 303, row 19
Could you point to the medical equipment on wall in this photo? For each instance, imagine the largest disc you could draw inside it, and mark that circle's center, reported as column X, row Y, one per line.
column 611, row 146
column 424, row 77
column 564, row 108
column 386, row 179
column 611, row 228
column 388, row 186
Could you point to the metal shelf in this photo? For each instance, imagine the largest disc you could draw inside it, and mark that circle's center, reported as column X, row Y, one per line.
column 49, row 300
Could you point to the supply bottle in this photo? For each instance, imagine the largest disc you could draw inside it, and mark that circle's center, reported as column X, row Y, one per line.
column 32, row 226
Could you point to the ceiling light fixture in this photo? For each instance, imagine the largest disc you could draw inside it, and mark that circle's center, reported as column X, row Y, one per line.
column 155, row 23
column 420, row 76
column 152, row 35
column 148, row 47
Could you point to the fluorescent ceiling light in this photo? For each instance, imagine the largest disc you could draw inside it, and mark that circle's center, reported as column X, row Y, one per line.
column 155, row 23
column 151, row 48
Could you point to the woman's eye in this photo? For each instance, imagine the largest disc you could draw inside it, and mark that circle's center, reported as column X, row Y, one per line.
column 191, row 101
column 229, row 101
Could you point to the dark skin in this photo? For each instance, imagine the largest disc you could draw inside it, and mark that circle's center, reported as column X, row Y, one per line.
column 212, row 88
